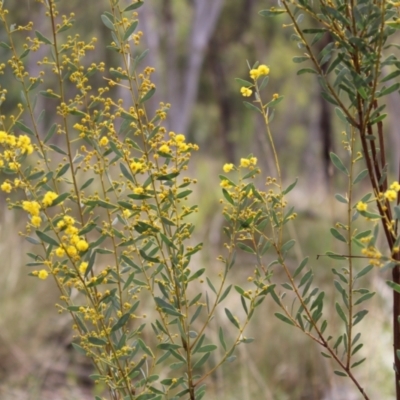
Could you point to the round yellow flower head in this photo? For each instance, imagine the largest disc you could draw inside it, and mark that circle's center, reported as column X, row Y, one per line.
column 83, row 267
column 225, row 183
column 43, row 274
column 138, row 190
column 390, row 194
column 180, row 138
column 263, row 69
column 72, row 251
column 136, row 166
column 6, row 187
column 254, row 74
column 361, row 206
column 244, row 162
column 82, row 245
column 164, row 148
column 36, row 221
column 126, row 213
column 246, row 92
column 253, row 160
column 395, row 186
column 228, row 167
column 60, row 252
column 48, row 198
column 69, row 220
column 32, row 207
column 104, row 141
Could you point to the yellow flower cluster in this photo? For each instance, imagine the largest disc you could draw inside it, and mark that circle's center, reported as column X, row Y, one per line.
column 248, row 162
column 48, row 198
column 260, row 71
column 33, row 208
column 72, row 244
column 14, row 147
column 374, row 256
column 246, row 92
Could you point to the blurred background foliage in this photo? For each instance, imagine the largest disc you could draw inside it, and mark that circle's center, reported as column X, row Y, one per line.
column 198, row 47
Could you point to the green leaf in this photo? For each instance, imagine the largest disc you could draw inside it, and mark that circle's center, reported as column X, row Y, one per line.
column 340, row 373
column 335, row 233
column 206, row 349
column 228, row 196
column 306, row 71
column 63, row 170
column 131, row 28
column 287, row 246
column 242, row 82
column 121, row 322
column 337, row 162
column 340, row 312
column 59, row 199
column 245, row 248
column 341, row 198
column 87, row 183
column 300, row 267
column 298, row 60
column 394, row 286
column 232, row 318
column 391, row 76
column 364, row 271
column 148, row 95
column 290, row 187
column 133, row 6
column 202, row 360
column 97, row 341
column 107, row 22
column 360, row 176
column 251, row 107
column 46, row 239
column 79, row 349
column 24, row 128
column 221, row 338
column 365, row 297
column 197, row 274
column 389, row 90
column 359, row 316
column 42, row 38
column 226, row 292
column 271, row 13
column 284, row 318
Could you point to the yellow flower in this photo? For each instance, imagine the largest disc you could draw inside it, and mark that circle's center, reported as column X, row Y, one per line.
column 136, row 166
column 60, row 252
column 83, row 267
column 180, row 138
column 48, row 198
column 361, row 206
column 225, row 183
column 228, row 167
column 263, row 70
column 164, row 148
column 74, row 239
column 60, row 224
column 104, row 141
column 3, row 136
column 253, row 160
column 395, row 186
column 6, row 187
column 138, row 190
column 244, row 162
column 126, row 213
column 72, row 251
column 390, row 194
column 32, row 207
column 246, row 92
column 14, row 166
column 24, row 143
column 71, row 230
column 82, row 245
column 43, row 274
column 69, row 220
column 254, row 74
column 36, row 221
